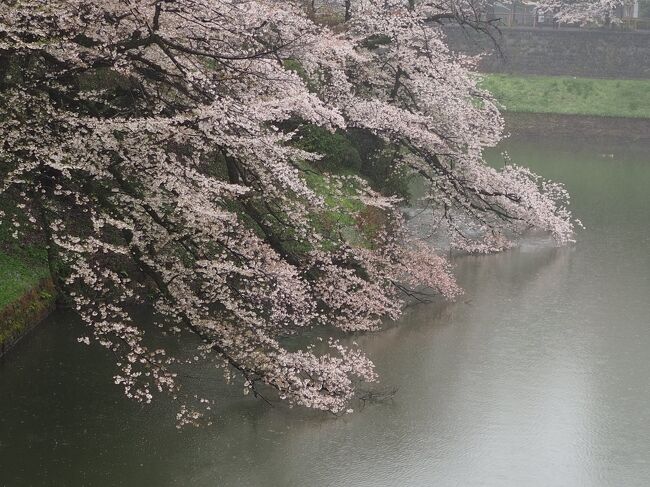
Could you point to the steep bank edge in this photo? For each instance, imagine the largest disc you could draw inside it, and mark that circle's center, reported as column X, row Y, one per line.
column 559, row 125
column 19, row 317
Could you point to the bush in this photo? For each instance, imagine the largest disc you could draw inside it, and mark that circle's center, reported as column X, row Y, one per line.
column 337, row 150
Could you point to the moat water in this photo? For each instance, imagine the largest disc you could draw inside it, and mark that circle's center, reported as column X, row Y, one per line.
column 538, row 376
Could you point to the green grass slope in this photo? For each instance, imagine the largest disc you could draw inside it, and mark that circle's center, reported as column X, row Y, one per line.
column 570, row 95
column 18, row 275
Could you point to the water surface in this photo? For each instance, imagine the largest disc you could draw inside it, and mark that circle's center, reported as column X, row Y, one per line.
column 537, row 376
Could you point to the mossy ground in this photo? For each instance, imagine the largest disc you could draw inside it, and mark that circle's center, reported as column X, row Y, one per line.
column 21, row 314
column 26, row 292
column 18, row 274
column 26, row 295
column 570, row 95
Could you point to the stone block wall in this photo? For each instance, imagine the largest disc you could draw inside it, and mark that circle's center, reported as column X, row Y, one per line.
column 565, row 51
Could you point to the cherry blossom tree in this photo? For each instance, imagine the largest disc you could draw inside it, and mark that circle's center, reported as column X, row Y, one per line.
column 152, row 146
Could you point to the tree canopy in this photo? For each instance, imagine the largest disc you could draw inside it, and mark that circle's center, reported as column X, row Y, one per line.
column 160, row 149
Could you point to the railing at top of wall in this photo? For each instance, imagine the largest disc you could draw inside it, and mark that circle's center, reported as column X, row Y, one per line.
column 527, row 19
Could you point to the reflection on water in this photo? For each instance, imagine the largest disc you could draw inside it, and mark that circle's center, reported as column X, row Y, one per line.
column 537, row 376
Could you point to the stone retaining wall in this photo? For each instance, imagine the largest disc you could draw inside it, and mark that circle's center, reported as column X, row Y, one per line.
column 557, row 125
column 564, row 51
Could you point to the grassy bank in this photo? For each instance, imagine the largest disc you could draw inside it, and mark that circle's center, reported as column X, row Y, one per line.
column 26, row 291
column 570, row 95
column 26, row 295
column 18, row 275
